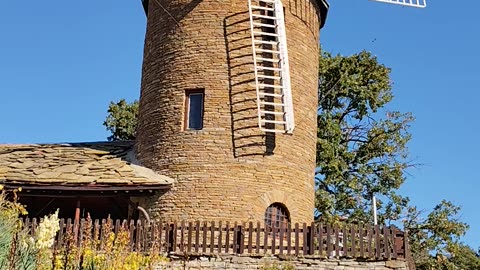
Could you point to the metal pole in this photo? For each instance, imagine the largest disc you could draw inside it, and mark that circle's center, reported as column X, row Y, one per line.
column 374, row 202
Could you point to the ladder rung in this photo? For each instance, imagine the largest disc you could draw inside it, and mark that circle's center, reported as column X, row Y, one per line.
column 267, row 1
column 263, row 8
column 270, row 85
column 265, row 34
column 273, row 130
column 265, row 50
column 272, row 103
column 267, row 60
column 265, row 25
column 264, row 17
column 272, row 122
column 268, row 77
column 275, row 113
column 270, row 95
column 266, row 42
column 268, row 68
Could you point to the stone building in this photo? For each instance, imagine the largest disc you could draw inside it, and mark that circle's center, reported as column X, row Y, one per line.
column 199, row 152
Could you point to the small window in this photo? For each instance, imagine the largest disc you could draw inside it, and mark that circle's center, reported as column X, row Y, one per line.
column 194, row 109
column 277, row 214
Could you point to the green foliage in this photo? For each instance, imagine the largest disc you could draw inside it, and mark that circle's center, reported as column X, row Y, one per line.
column 359, row 152
column 435, row 239
column 18, row 249
column 121, row 120
column 362, row 151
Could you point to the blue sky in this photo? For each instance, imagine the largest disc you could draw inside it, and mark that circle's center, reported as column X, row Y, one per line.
column 62, row 62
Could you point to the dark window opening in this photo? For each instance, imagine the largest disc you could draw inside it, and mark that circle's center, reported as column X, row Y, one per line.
column 276, row 215
column 97, row 207
column 194, row 109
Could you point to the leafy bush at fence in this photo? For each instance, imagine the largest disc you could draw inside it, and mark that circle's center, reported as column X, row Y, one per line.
column 20, row 250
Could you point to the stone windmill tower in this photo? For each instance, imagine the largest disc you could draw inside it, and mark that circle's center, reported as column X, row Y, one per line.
column 228, row 107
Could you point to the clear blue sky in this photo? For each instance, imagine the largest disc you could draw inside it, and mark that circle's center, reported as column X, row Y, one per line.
column 62, row 62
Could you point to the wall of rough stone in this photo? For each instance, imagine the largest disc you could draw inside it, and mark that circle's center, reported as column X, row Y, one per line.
column 230, row 170
column 274, row 263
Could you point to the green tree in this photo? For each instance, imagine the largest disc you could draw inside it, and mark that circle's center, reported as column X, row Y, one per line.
column 434, row 239
column 121, row 120
column 362, row 151
column 361, row 148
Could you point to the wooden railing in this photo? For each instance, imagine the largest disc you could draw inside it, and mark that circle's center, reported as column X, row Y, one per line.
column 338, row 240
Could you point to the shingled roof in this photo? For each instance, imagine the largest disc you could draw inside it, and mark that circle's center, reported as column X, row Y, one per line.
column 100, row 165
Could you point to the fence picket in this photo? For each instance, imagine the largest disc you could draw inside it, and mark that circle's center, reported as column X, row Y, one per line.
column 197, row 236
column 323, row 239
column 212, row 236
column 204, row 244
column 297, row 239
column 361, row 230
column 250, row 236
column 257, row 239
column 377, row 242
column 281, row 236
column 289, row 238
column 220, row 244
column 227, row 237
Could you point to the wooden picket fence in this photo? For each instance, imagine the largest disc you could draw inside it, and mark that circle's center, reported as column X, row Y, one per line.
column 327, row 240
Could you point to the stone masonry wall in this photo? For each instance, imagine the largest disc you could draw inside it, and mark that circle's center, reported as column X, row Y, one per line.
column 230, row 170
column 274, row 263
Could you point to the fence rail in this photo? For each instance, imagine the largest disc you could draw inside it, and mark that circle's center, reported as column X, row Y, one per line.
column 328, row 240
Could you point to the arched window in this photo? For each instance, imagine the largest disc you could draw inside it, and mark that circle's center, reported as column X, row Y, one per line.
column 277, row 214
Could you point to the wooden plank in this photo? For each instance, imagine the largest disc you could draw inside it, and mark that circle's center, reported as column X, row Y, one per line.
column 361, row 230
column 386, row 241
column 281, row 236
column 220, row 230
column 329, row 240
column 34, row 225
column 370, row 242
column 153, row 237
column 266, row 231
column 257, row 240
column 167, row 238
column 197, row 236
column 311, row 248
column 393, row 232
column 250, row 236
column 320, row 239
column 60, row 233
column 205, row 230
column 189, row 237
column 102, row 232
column 377, row 242
column 297, row 239
column 138, row 236
column 337, row 240
column 160, row 232
column 182, row 236
column 345, row 245
column 353, row 237
column 227, row 237
column 289, row 238
column 131, row 230
column 242, row 238
column 235, row 238
column 173, row 236
column 80, row 233
column 274, row 236
column 305, row 239
column 212, row 236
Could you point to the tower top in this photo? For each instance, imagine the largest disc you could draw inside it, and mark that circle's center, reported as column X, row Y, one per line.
column 322, row 4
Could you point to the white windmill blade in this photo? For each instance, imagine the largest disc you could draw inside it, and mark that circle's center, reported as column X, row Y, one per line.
column 408, row 3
